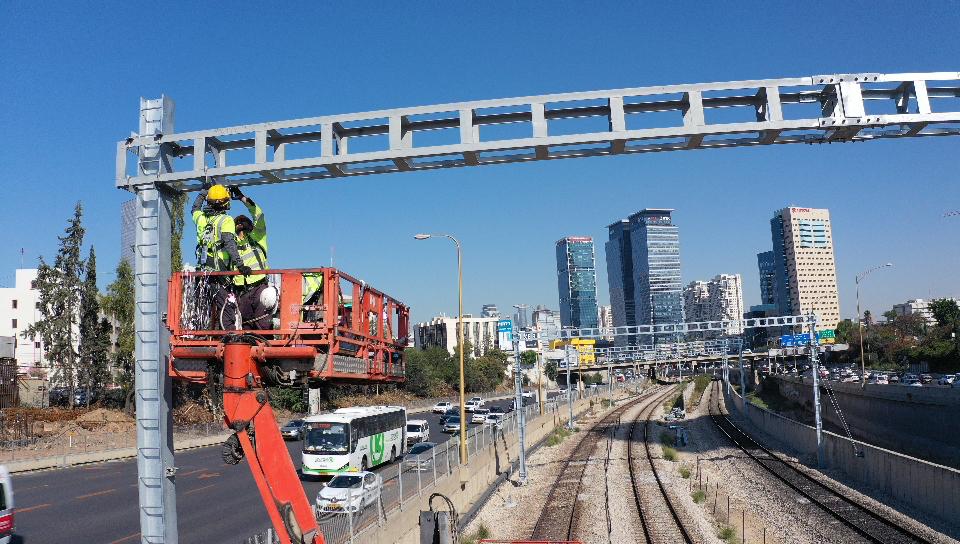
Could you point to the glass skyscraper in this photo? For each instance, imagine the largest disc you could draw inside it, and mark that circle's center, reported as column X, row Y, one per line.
column 577, row 282
column 767, row 268
column 619, row 252
column 655, row 245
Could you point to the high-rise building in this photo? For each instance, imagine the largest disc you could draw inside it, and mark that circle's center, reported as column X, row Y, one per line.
column 805, row 277
column 767, row 268
column 696, row 301
column 655, row 249
column 490, row 310
column 128, row 218
column 577, row 281
column 546, row 320
column 606, row 316
column 520, row 318
column 720, row 299
column 619, row 253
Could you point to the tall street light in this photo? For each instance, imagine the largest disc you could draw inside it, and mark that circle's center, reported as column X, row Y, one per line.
column 463, row 410
column 860, row 277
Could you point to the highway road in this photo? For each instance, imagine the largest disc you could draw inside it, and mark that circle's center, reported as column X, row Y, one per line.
column 215, row 502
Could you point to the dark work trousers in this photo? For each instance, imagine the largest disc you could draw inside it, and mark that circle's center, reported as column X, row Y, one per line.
column 255, row 317
column 224, row 305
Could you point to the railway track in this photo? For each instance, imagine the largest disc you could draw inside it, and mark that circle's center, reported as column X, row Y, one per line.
column 659, row 518
column 871, row 526
column 557, row 519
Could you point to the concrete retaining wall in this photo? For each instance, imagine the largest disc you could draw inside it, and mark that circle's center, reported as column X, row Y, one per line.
column 917, row 421
column 928, row 487
column 468, row 486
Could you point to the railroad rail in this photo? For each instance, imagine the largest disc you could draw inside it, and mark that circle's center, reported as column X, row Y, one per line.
column 557, row 520
column 657, row 525
column 868, row 524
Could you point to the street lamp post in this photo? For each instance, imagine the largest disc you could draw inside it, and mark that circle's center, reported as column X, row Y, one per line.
column 860, row 277
column 463, row 410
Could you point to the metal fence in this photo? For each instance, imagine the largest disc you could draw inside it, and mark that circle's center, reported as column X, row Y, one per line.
column 414, row 476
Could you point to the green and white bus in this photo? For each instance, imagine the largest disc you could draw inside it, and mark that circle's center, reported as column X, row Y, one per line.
column 353, row 439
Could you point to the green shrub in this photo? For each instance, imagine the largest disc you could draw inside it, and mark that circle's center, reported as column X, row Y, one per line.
column 684, row 472
column 666, row 438
column 669, row 453
column 698, row 496
column 727, row 534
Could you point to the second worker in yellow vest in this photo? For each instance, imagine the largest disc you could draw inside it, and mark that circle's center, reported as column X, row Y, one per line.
column 256, row 298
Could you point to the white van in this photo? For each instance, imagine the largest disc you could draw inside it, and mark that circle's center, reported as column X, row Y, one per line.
column 6, row 506
column 418, row 430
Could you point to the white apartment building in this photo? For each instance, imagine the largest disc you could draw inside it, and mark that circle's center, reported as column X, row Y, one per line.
column 18, row 310
column 917, row 306
column 719, row 299
column 441, row 331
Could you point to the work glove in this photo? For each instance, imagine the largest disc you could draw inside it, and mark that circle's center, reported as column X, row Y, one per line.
column 236, row 193
column 245, row 270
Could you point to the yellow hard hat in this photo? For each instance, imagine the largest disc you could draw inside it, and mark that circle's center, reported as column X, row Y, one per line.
column 218, row 192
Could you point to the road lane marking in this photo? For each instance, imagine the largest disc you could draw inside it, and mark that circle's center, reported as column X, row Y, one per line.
column 29, row 508
column 182, row 474
column 199, row 489
column 22, row 489
column 208, row 475
column 95, row 494
column 126, row 538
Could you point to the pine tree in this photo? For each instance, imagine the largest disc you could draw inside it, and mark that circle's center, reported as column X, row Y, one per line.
column 93, row 371
column 119, row 304
column 59, row 288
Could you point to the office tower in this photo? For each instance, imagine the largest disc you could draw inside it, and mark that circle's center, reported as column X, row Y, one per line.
column 719, row 299
column 577, row 281
column 655, row 248
column 490, row 310
column 696, row 301
column 620, row 276
column 767, row 269
column 804, row 269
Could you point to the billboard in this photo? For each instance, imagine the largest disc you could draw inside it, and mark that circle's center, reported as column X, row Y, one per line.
column 827, row 336
column 505, row 334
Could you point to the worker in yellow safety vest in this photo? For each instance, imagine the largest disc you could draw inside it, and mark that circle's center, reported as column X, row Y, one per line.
column 256, row 298
column 217, row 252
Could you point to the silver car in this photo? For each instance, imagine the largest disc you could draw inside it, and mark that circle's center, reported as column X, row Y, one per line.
column 349, row 492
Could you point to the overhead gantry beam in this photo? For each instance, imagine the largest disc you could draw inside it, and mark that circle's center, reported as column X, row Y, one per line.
column 818, row 109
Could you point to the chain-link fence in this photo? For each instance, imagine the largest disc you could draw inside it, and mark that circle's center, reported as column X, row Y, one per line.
column 403, row 484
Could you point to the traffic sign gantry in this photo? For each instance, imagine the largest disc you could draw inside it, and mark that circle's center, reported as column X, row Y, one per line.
column 777, row 111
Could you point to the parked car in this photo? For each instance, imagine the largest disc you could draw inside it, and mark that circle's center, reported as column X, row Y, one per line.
column 893, row 378
column 349, row 493
column 479, row 415
column 6, row 506
column 947, row 379
column 441, row 407
column 912, row 382
column 293, row 429
column 418, row 430
column 926, row 378
column 956, row 380
column 420, row 458
column 452, row 425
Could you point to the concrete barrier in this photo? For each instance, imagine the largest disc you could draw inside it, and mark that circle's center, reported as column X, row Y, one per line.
column 917, row 421
column 930, row 488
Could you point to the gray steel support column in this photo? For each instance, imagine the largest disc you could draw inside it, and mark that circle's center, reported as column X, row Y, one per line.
column 520, row 408
column 155, row 468
column 815, row 363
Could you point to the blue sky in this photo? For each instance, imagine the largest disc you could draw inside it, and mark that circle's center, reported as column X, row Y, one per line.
column 73, row 75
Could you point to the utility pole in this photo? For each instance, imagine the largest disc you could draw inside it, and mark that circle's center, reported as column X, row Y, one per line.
column 571, row 355
column 814, row 359
column 521, row 409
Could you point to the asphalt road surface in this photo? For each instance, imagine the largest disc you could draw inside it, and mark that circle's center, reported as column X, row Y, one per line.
column 215, row 502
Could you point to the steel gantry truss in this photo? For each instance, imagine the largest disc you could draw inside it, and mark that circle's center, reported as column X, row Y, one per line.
column 810, row 109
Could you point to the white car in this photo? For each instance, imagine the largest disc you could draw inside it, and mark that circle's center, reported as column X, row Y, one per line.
column 349, row 492
column 470, row 406
column 441, row 407
column 418, row 430
column 478, row 401
column 947, row 379
column 495, row 419
column 480, row 415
